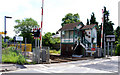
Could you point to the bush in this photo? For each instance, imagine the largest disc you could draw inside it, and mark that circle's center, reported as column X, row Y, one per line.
column 55, row 51
column 4, row 45
column 118, row 50
column 21, row 59
column 10, row 55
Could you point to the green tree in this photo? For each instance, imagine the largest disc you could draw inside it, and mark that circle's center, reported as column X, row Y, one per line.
column 70, row 18
column 117, row 33
column 24, row 27
column 47, row 40
column 108, row 25
column 87, row 22
column 93, row 19
column 117, row 52
column 7, row 37
column 4, row 45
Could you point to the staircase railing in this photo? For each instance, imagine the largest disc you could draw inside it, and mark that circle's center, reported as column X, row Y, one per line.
column 83, row 44
column 86, row 42
column 75, row 47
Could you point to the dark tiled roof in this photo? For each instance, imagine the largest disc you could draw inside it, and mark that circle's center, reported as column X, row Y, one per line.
column 70, row 26
column 59, row 30
column 89, row 26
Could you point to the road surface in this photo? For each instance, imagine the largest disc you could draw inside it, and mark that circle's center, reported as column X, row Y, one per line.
column 99, row 65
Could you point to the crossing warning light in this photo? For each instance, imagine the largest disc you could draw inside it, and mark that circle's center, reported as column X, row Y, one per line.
column 36, row 33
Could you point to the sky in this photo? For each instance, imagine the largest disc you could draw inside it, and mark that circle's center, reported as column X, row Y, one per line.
column 54, row 11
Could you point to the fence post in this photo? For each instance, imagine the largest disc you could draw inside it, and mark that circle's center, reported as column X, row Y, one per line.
column 108, row 50
column 14, row 42
column 111, row 48
column 25, row 49
column 33, row 56
column 36, row 50
column 20, row 48
column 114, row 49
column 104, row 47
column 48, row 56
column 0, row 48
column 16, row 45
column 40, row 55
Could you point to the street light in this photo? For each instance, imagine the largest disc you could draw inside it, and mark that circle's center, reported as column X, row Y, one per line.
column 5, row 27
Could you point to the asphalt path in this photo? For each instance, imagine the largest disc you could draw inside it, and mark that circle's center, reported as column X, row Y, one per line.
column 98, row 65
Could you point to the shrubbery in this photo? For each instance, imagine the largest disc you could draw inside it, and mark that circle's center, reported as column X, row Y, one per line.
column 118, row 50
column 4, row 44
column 55, row 52
column 10, row 55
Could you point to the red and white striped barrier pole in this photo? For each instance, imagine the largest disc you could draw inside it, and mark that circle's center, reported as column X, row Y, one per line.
column 41, row 24
column 102, row 29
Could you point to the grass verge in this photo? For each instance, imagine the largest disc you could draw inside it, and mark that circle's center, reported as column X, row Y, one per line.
column 54, row 52
column 10, row 55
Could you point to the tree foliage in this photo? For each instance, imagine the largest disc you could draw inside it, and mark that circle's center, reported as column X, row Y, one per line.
column 108, row 25
column 70, row 18
column 87, row 22
column 117, row 33
column 4, row 45
column 93, row 19
column 24, row 27
column 47, row 40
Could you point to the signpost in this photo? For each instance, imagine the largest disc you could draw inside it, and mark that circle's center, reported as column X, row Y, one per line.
column 25, row 49
column 110, row 39
column 19, row 38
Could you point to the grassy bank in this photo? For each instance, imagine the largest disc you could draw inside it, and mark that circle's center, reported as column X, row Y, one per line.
column 10, row 55
column 55, row 52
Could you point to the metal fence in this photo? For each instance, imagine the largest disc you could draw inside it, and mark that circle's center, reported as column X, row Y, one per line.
column 108, row 51
column 41, row 55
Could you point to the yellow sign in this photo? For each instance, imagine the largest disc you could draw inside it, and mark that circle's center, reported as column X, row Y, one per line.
column 28, row 47
column 2, row 33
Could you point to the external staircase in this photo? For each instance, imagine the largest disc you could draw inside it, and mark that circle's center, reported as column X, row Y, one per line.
column 86, row 45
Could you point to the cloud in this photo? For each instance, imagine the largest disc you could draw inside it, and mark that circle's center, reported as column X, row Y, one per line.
column 11, row 6
column 54, row 11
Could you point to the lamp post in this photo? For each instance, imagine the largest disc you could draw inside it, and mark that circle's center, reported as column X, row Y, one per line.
column 5, row 27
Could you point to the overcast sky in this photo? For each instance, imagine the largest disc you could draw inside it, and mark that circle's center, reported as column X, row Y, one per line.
column 54, row 11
